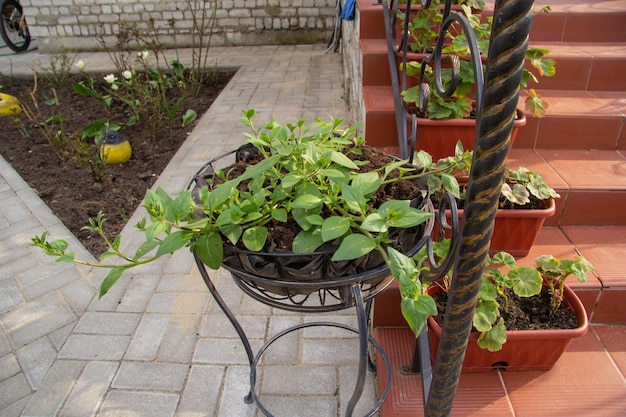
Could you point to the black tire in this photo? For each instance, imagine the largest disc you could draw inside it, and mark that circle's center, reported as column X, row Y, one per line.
column 13, row 26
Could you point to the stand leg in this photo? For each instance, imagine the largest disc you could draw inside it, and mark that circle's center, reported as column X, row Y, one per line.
column 363, row 351
column 248, row 399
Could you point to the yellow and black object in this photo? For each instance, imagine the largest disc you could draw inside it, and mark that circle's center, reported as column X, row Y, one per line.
column 115, row 148
column 9, row 105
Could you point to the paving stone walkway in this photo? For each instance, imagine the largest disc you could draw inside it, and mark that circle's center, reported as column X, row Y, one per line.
column 157, row 344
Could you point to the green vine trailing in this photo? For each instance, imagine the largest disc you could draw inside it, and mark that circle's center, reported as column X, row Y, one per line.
column 304, row 174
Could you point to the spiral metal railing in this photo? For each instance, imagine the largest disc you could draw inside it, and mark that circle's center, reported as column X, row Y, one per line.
column 497, row 91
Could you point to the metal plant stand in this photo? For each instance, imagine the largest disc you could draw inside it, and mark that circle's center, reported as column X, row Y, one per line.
column 291, row 288
column 355, row 298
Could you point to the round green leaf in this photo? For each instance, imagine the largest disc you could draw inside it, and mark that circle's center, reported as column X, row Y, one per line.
column 254, row 238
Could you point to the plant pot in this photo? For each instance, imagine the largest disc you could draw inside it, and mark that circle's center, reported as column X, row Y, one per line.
column 277, row 274
column 524, row 350
column 515, row 230
column 439, row 137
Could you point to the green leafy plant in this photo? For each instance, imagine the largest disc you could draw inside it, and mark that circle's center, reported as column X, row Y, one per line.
column 144, row 93
column 518, row 186
column 502, row 276
column 522, row 183
column 304, row 174
column 460, row 104
column 557, row 271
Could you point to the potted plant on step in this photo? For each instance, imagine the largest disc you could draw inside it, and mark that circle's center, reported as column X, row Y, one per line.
column 441, row 121
column 525, row 316
column 526, row 200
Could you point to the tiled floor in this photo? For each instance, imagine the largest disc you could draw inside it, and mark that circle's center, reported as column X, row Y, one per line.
column 589, row 380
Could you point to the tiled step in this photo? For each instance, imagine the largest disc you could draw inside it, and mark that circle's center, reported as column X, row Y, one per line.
column 580, row 21
column 603, row 292
column 605, row 247
column 576, row 120
column 584, row 66
column 573, row 120
column 375, row 62
column 592, row 183
column 602, row 20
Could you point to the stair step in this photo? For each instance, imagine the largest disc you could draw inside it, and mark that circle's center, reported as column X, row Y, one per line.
column 584, row 67
column 593, row 67
column 375, row 62
column 592, row 183
column 380, row 122
column 605, row 289
column 580, row 21
column 370, row 20
column 573, row 120
column 576, row 120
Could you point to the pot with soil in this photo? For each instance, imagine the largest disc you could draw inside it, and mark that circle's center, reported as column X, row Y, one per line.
column 526, row 200
column 525, row 316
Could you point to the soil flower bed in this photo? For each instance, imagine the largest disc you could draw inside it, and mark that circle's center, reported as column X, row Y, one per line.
column 71, row 191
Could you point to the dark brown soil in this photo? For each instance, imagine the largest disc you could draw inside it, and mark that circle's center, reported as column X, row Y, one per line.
column 525, row 313
column 71, row 191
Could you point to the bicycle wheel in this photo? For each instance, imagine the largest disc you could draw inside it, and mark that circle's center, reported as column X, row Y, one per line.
column 13, row 26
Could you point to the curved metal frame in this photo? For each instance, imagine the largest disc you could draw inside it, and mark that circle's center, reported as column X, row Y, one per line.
column 363, row 307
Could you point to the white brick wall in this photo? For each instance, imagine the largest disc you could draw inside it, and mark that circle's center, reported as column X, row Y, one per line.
column 74, row 24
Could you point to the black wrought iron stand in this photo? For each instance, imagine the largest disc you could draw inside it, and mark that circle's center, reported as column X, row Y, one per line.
column 345, row 293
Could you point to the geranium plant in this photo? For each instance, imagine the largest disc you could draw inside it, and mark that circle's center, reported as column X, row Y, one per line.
column 502, row 277
column 460, row 104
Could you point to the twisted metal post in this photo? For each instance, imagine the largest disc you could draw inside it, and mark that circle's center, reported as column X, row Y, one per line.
column 509, row 40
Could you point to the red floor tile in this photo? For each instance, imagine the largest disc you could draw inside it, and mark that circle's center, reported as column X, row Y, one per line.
column 611, row 308
column 478, row 395
column 584, row 382
column 604, row 247
column 613, row 338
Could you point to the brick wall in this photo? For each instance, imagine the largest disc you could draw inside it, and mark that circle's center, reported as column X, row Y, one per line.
column 74, row 24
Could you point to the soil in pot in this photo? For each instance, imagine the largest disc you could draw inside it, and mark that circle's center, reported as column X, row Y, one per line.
column 524, row 313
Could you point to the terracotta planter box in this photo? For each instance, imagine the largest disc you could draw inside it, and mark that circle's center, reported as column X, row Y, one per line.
column 439, row 137
column 524, row 350
column 515, row 230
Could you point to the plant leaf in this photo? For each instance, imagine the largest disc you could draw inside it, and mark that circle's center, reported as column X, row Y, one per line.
column 111, row 279
column 307, row 241
column 493, row 339
column 526, row 281
column 210, row 250
column 173, row 242
column 354, row 246
column 416, row 311
column 485, row 315
column 189, row 116
column 254, row 238
column 279, row 215
column 334, row 227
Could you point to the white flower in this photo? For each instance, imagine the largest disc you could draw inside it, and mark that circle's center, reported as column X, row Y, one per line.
column 110, row 78
column 128, row 74
column 80, row 65
column 143, row 55
column 114, row 86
